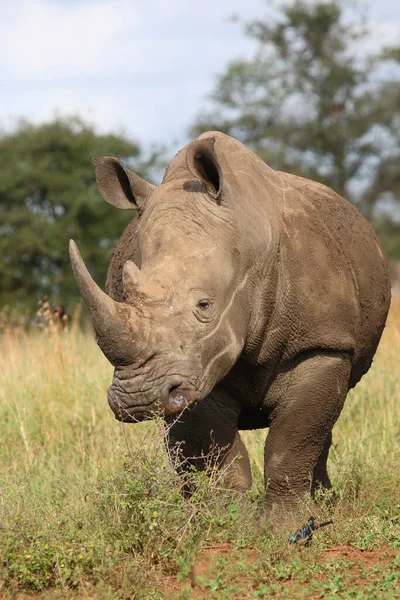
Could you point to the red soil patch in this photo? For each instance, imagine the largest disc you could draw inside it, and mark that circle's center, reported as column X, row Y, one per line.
column 222, row 561
column 366, row 558
column 360, row 561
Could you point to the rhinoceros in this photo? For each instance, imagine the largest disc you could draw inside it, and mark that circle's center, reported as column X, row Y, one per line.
column 239, row 297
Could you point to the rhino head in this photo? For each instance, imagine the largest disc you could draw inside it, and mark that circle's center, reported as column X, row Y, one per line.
column 182, row 323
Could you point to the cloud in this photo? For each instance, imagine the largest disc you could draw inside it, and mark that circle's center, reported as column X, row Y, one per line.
column 48, row 40
column 139, row 66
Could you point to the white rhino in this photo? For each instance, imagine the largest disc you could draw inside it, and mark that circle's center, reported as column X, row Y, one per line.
column 238, row 298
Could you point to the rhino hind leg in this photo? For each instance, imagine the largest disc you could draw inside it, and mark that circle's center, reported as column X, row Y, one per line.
column 205, row 435
column 307, row 401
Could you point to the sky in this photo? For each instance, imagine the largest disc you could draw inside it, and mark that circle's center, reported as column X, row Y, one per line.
column 143, row 68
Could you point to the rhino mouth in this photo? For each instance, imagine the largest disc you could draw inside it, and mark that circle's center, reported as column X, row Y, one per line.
column 132, row 408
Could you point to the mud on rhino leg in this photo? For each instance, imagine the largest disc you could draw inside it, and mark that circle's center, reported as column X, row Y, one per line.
column 307, row 401
column 207, row 433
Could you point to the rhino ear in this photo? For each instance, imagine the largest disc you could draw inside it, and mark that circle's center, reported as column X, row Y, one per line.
column 119, row 186
column 203, row 164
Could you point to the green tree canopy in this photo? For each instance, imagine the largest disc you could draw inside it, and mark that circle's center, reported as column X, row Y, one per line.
column 48, row 195
column 317, row 100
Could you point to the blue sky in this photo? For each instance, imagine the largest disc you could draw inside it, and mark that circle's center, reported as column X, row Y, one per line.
column 139, row 67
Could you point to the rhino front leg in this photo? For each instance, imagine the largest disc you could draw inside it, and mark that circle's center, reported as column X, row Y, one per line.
column 306, row 401
column 207, row 434
column 320, row 477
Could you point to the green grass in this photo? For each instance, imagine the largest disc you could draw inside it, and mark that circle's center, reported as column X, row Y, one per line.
column 91, row 508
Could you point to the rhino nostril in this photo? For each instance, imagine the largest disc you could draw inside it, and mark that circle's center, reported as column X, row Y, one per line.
column 173, row 388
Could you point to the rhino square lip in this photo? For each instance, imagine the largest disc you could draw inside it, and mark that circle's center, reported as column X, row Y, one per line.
column 173, row 403
column 129, row 415
column 121, row 409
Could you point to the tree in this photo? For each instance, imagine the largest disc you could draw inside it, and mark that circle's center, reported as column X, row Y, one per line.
column 313, row 101
column 47, row 196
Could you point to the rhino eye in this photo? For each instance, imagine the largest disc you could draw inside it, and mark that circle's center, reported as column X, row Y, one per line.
column 203, row 305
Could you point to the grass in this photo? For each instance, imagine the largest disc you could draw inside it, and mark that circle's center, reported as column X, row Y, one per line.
column 91, row 508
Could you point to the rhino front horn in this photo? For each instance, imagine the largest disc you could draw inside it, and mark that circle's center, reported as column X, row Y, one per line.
column 112, row 321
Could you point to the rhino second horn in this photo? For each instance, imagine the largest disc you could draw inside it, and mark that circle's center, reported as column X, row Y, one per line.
column 136, row 284
column 130, row 274
column 112, row 321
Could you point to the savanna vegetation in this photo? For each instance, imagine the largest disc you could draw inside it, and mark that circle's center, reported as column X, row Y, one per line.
column 91, row 508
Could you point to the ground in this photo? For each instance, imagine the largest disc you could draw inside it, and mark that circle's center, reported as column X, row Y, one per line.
column 224, row 572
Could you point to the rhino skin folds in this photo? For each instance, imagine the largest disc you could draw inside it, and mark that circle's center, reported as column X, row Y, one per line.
column 238, row 297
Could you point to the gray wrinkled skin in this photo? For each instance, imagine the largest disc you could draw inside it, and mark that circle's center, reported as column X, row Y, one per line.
column 258, row 299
